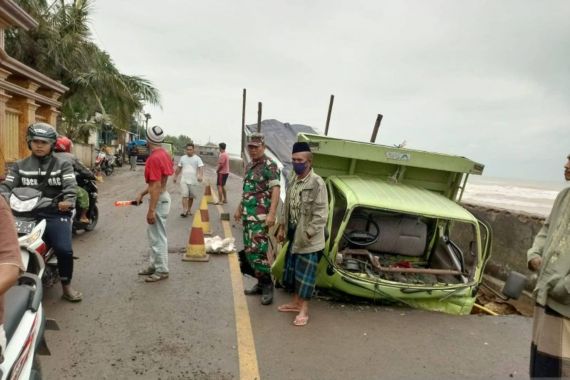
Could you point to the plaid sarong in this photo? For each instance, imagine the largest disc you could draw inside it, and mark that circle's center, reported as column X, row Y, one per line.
column 550, row 348
column 301, row 273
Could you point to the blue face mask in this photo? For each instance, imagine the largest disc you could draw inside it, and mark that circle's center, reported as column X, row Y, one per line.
column 299, row 167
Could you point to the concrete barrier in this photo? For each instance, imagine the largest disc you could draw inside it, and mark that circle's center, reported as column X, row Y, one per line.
column 513, row 234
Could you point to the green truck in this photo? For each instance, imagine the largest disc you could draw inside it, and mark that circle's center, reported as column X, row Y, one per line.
column 396, row 231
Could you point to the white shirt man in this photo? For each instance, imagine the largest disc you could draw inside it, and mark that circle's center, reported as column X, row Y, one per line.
column 192, row 169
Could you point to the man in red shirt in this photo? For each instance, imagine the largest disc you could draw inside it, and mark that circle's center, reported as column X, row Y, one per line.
column 223, row 172
column 157, row 169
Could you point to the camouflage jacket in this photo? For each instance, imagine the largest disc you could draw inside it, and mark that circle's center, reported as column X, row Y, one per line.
column 260, row 177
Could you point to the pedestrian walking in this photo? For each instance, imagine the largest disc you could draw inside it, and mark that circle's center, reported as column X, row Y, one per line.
column 550, row 257
column 303, row 223
column 192, row 169
column 158, row 168
column 257, row 212
column 222, row 171
column 133, row 158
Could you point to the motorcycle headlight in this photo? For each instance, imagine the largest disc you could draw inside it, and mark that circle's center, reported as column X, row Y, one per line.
column 23, row 206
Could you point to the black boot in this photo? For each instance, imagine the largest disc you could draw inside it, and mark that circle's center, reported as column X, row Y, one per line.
column 266, row 291
column 253, row 291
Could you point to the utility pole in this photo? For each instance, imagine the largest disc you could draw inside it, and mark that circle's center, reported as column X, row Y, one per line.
column 259, row 110
column 243, row 122
column 147, row 117
column 329, row 115
column 376, row 128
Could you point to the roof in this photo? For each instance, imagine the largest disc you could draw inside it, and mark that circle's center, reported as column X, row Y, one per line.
column 398, row 197
column 14, row 15
column 370, row 152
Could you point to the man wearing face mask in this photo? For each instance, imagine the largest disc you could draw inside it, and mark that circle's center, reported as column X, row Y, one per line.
column 305, row 214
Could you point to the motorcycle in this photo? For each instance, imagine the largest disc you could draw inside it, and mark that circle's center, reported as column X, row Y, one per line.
column 104, row 163
column 93, row 212
column 118, row 160
column 25, row 320
column 25, row 202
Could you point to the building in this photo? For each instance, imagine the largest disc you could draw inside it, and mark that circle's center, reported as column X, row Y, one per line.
column 26, row 95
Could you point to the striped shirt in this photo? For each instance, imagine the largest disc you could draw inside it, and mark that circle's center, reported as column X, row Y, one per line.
column 295, row 201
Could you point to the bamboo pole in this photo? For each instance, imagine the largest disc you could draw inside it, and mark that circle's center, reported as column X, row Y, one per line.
column 376, row 128
column 259, row 111
column 243, row 122
column 329, row 115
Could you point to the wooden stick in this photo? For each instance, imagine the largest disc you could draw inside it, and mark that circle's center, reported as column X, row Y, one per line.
column 376, row 128
column 329, row 115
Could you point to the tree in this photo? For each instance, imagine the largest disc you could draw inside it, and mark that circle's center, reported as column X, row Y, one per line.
column 61, row 47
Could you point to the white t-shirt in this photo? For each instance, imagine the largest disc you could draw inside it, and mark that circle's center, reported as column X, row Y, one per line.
column 190, row 167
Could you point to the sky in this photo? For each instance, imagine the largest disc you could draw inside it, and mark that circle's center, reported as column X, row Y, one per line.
column 488, row 80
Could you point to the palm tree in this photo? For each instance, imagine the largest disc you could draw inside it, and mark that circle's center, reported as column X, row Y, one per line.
column 61, row 47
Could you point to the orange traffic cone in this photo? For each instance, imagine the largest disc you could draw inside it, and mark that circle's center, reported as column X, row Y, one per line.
column 196, row 249
column 204, row 216
column 208, row 193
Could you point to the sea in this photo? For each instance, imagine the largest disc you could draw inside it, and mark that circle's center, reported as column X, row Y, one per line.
column 534, row 197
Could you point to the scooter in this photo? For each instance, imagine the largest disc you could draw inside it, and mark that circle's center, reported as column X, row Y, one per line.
column 25, row 202
column 25, row 321
column 93, row 212
column 104, row 163
column 118, row 160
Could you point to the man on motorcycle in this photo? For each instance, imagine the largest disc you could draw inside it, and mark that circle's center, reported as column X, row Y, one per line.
column 56, row 180
column 63, row 147
column 10, row 262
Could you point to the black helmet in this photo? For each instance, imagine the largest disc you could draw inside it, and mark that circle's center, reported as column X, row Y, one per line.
column 41, row 131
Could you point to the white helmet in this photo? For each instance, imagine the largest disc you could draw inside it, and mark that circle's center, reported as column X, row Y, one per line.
column 155, row 134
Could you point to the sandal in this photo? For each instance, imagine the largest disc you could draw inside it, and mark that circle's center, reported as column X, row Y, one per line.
column 156, row 276
column 184, row 214
column 73, row 296
column 301, row 321
column 288, row 308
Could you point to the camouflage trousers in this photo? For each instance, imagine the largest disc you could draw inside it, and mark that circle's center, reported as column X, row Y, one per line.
column 256, row 244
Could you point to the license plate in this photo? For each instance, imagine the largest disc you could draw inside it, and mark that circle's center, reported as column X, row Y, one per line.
column 23, row 227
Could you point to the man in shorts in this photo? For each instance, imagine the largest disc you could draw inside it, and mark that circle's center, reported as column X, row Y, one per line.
column 192, row 169
column 223, row 171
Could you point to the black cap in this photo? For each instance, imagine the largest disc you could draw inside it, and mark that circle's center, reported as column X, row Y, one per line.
column 301, row 147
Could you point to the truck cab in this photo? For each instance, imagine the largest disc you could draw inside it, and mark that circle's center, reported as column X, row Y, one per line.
column 396, row 231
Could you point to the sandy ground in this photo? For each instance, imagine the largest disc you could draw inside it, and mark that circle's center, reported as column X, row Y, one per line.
column 185, row 328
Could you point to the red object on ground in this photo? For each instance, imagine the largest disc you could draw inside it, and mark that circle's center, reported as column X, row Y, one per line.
column 126, row 203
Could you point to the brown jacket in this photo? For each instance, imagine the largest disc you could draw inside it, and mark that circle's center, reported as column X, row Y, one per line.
column 310, row 232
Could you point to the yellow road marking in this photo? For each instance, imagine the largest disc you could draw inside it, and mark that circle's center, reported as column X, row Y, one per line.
column 248, row 368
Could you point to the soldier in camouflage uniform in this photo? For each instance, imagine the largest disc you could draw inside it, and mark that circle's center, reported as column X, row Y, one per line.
column 257, row 211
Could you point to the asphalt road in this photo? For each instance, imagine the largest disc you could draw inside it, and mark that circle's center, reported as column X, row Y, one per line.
column 187, row 327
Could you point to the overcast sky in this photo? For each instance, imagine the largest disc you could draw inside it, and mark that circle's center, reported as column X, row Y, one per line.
column 489, row 80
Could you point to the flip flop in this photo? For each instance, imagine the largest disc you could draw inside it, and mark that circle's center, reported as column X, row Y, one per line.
column 156, row 276
column 287, row 308
column 184, row 214
column 301, row 321
column 74, row 296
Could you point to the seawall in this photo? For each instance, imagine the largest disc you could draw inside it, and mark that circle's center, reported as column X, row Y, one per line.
column 513, row 235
